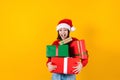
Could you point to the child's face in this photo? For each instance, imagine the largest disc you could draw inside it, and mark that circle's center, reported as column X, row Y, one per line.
column 63, row 32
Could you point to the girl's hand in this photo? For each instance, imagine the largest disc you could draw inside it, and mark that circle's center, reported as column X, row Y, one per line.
column 51, row 67
column 78, row 68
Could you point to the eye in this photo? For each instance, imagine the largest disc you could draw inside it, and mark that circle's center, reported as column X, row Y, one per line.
column 60, row 30
column 65, row 29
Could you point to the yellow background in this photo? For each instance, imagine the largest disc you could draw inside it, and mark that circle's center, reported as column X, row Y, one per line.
column 27, row 26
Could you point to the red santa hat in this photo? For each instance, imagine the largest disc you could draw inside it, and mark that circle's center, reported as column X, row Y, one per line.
column 65, row 23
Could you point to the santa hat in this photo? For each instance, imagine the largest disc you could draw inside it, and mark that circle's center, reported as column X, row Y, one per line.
column 65, row 23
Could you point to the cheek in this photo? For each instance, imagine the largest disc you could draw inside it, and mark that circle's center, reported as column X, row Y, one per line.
column 66, row 32
column 59, row 33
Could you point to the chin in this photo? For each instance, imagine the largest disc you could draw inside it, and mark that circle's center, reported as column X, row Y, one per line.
column 63, row 38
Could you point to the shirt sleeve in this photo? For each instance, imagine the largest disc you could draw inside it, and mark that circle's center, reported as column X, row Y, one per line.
column 85, row 61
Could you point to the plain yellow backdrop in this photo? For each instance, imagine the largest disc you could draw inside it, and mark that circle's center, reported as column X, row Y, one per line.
column 27, row 26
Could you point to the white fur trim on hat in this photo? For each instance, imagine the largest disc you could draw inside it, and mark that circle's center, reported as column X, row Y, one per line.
column 73, row 28
column 63, row 25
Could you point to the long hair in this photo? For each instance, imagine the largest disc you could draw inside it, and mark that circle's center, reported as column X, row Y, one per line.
column 60, row 37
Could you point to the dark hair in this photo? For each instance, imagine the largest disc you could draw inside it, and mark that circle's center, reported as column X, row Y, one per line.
column 60, row 37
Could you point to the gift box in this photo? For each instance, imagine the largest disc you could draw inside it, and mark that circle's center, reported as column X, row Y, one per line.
column 78, row 49
column 61, row 51
column 65, row 41
column 65, row 65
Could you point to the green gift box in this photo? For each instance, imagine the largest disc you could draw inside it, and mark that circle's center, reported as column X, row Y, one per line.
column 61, row 51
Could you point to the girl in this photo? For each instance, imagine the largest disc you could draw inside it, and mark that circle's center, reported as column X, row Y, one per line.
column 64, row 27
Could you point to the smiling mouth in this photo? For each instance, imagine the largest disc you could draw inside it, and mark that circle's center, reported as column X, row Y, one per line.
column 63, row 35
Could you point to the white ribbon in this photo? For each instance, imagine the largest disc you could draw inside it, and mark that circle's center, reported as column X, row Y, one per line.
column 65, row 66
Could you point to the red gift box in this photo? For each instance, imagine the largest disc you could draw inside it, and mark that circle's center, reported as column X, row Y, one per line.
column 64, row 65
column 79, row 49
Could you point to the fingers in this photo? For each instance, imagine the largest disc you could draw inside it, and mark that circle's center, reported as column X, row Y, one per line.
column 80, row 64
column 75, row 71
column 54, row 66
column 74, row 67
column 78, row 68
column 51, row 67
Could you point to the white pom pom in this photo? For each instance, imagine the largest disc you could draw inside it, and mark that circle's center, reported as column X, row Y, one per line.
column 73, row 28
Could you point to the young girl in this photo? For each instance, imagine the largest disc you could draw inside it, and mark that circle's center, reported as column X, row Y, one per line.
column 63, row 28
